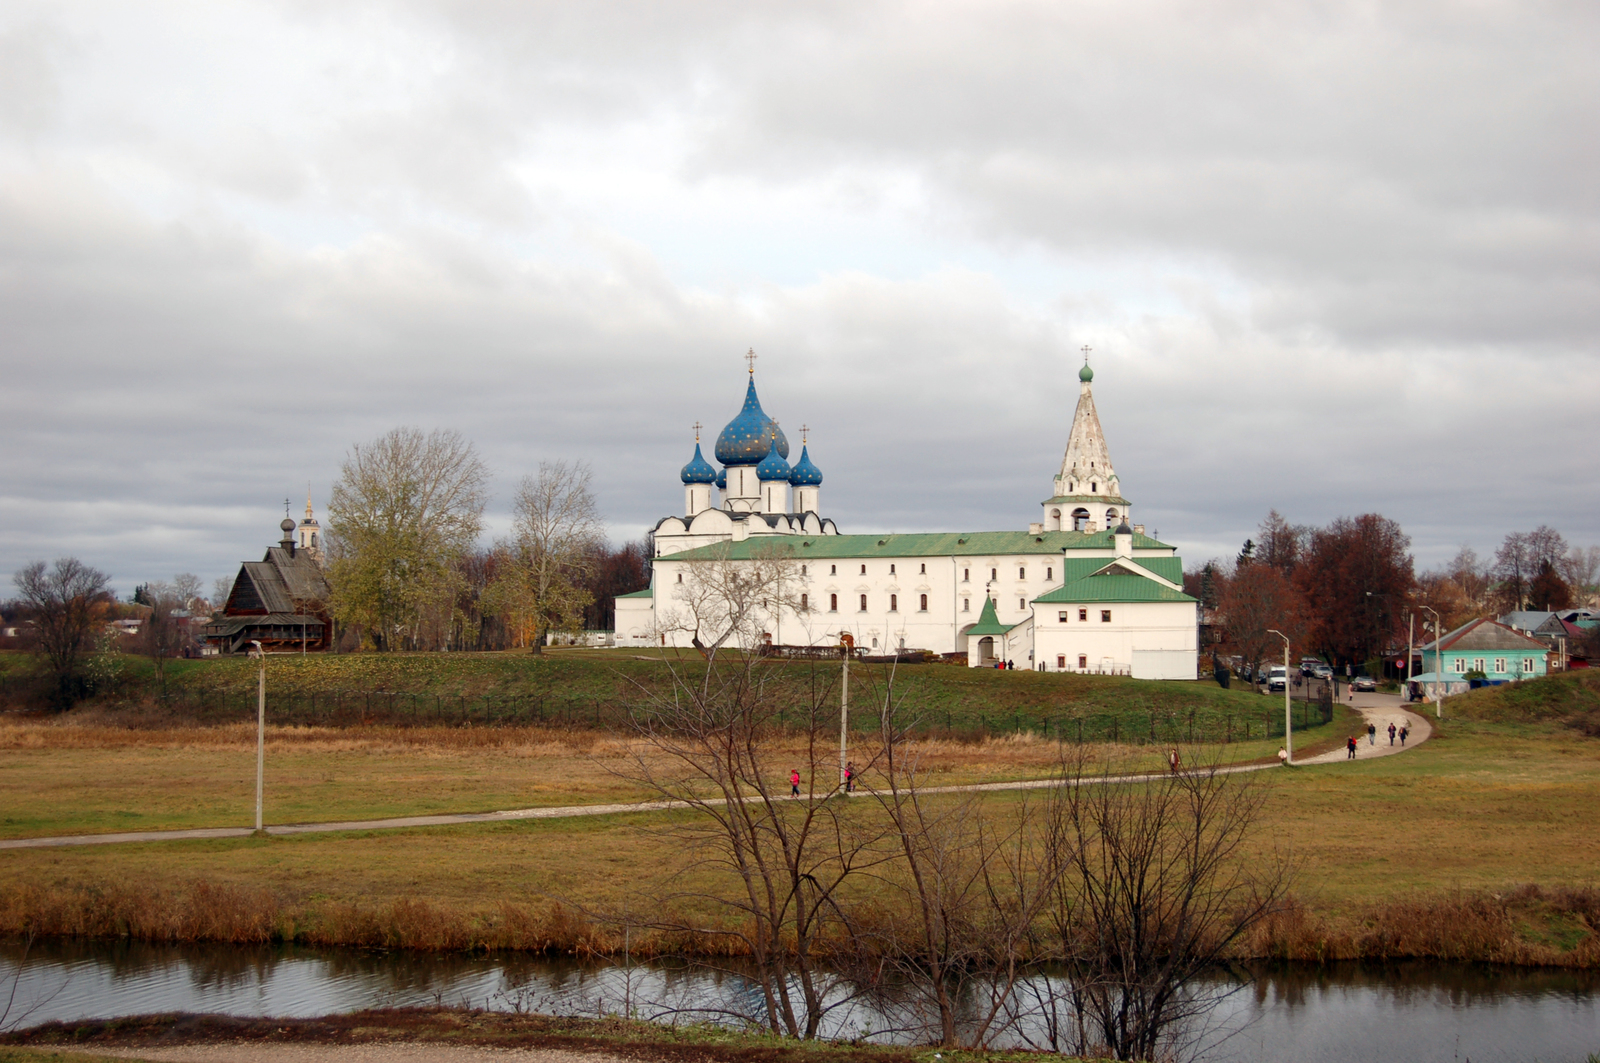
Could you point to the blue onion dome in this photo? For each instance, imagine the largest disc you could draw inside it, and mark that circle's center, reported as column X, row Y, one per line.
column 804, row 473
column 772, row 467
column 722, row 479
column 748, row 436
column 780, row 443
column 699, row 470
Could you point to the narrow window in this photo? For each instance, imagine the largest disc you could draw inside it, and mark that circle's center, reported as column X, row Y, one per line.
column 863, row 603
column 1500, row 665
column 894, row 603
column 1063, row 616
column 1527, row 664
column 1083, row 614
column 1049, row 574
column 1022, row 572
column 833, row 570
column 1093, row 487
column 1022, row 603
column 863, row 570
column 891, row 570
column 1461, row 665
column 1061, row 661
column 966, row 605
column 1083, row 662
column 1477, row 664
column 966, row 574
column 802, row 570
column 994, row 573
column 924, row 571
column 805, row 603
column 833, row 603
column 680, row 577
column 924, row 605
column 1105, row 616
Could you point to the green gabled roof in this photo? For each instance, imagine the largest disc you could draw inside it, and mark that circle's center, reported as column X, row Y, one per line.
column 929, row 544
column 1076, row 568
column 988, row 622
column 1117, row 587
column 648, row 592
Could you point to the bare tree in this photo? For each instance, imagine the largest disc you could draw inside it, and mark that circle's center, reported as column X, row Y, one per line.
column 404, row 509
column 555, row 539
column 65, row 602
column 220, row 589
column 1157, row 888
column 186, row 588
column 1581, row 569
column 727, row 600
column 1472, row 576
column 163, row 633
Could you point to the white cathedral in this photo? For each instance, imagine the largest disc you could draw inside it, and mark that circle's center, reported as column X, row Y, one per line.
column 1079, row 591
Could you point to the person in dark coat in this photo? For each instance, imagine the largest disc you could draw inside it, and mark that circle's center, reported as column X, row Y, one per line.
column 1350, row 748
column 1391, row 734
column 1372, row 734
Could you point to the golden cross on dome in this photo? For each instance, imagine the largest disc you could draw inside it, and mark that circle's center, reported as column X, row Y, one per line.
column 750, row 360
column 697, row 427
column 804, row 430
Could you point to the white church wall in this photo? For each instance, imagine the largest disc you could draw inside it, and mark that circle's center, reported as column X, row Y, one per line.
column 1163, row 627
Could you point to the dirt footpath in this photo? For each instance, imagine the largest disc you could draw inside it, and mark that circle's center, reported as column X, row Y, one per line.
column 241, row 1052
column 1380, row 710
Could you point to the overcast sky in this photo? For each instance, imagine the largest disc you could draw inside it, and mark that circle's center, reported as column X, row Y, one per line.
column 1331, row 258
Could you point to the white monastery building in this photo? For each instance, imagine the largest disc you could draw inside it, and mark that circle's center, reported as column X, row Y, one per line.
column 1081, row 590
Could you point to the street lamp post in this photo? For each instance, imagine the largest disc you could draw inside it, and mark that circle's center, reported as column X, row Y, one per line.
column 261, row 726
column 1288, row 718
column 1438, row 663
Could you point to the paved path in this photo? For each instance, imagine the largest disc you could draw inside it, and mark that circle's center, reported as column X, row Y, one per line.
column 375, row 1052
column 1379, row 709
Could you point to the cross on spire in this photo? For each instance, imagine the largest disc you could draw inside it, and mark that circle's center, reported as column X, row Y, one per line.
column 286, row 505
column 697, row 427
column 804, row 431
column 750, row 360
column 1086, row 349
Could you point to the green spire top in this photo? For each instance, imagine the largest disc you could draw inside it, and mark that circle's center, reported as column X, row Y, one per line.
column 1086, row 374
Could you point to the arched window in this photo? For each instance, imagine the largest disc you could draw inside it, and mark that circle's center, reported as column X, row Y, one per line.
column 924, row 607
column 1111, row 518
column 1083, row 662
column 805, row 603
column 891, row 570
column 966, row 574
column 894, row 603
column 833, row 570
column 680, row 577
column 994, row 573
column 1022, row 572
column 1055, row 517
column 863, row 603
column 863, row 570
column 802, row 570
column 966, row 605
column 1022, row 603
column 924, row 570
column 833, row 603
column 1049, row 573
column 1080, row 519
column 1061, row 661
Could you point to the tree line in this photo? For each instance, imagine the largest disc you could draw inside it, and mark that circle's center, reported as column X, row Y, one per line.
column 1344, row 592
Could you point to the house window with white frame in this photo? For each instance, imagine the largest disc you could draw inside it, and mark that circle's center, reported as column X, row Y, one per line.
column 1500, row 666
column 1461, row 666
column 1528, row 665
column 1477, row 664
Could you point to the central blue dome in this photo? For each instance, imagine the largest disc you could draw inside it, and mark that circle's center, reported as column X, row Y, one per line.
column 748, row 437
column 699, row 470
column 804, row 473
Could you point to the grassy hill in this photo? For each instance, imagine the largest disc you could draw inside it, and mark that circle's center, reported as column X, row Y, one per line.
column 597, row 686
column 1571, row 698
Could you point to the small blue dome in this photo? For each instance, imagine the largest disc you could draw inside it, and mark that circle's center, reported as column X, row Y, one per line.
column 748, row 437
column 722, row 480
column 780, row 443
column 699, row 470
column 773, row 467
column 804, row 473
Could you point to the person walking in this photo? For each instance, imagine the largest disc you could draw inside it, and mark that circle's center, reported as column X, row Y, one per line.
column 1391, row 733
column 1372, row 734
column 850, row 777
column 1174, row 762
column 1350, row 748
column 794, row 781
column 1403, row 732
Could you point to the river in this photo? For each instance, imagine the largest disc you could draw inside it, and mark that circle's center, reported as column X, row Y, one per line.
column 1347, row 1013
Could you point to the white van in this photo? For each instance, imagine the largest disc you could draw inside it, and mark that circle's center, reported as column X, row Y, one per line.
column 1277, row 678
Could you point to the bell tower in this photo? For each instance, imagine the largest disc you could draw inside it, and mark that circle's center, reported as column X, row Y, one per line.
column 1088, row 496
column 309, row 533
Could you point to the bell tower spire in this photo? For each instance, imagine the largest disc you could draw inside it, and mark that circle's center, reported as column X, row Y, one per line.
column 1088, row 495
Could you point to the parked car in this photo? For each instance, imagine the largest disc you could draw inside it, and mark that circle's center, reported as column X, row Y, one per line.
column 1363, row 682
column 1277, row 678
column 1323, row 671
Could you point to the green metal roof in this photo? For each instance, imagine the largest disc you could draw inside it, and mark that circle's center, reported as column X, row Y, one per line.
column 929, row 544
column 648, row 592
column 1076, row 568
column 1113, row 587
column 1113, row 500
column 988, row 623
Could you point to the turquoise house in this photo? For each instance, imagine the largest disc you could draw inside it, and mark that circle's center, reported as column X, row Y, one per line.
column 1502, row 653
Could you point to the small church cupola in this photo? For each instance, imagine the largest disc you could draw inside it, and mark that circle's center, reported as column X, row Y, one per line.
column 743, row 444
column 773, row 473
column 698, row 476
column 287, row 527
column 310, row 532
column 805, row 478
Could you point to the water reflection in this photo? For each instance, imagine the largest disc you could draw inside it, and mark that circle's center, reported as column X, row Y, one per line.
column 1346, row 1013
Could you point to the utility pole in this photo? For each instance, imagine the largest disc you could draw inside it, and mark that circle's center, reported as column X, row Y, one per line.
column 844, row 710
column 1288, row 717
column 261, row 727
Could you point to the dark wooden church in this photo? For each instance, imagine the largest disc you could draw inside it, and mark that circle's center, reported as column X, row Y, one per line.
column 280, row 601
